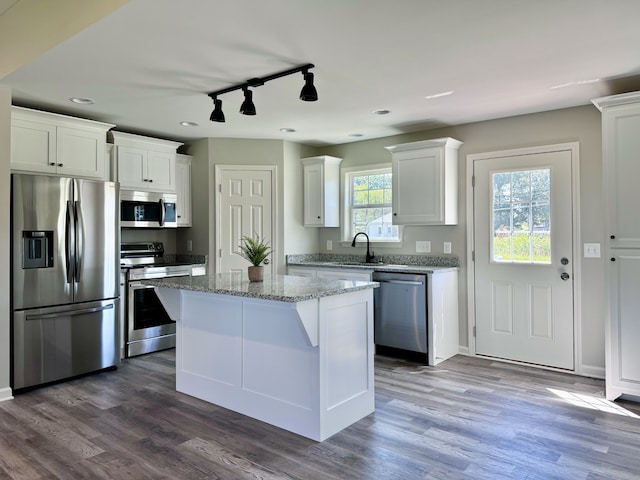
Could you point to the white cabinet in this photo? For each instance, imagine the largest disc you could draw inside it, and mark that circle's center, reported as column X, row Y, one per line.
column 183, row 190
column 621, row 170
column 425, row 182
column 144, row 163
column 55, row 144
column 344, row 274
column 330, row 273
column 321, row 191
column 302, row 271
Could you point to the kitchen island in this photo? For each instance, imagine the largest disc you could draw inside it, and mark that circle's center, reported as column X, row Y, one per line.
column 290, row 351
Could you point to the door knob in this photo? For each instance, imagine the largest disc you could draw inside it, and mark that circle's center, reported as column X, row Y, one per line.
column 564, row 276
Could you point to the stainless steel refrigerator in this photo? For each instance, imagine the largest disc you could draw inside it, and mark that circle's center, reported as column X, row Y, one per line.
column 64, row 277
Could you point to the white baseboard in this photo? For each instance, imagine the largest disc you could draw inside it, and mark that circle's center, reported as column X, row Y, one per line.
column 463, row 350
column 6, row 394
column 592, row 371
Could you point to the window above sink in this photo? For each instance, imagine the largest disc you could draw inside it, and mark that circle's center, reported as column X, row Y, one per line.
column 367, row 204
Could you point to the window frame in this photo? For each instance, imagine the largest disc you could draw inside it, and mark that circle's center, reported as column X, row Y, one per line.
column 346, row 184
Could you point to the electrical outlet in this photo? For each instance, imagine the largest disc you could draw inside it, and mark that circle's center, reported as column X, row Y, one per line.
column 189, row 245
column 423, row 246
column 446, row 247
column 329, row 244
column 591, row 250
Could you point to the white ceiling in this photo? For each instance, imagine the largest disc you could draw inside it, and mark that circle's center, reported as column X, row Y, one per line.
column 150, row 64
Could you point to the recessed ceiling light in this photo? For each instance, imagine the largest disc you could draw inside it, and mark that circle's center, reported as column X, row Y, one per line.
column 381, row 111
column 287, row 130
column 355, row 135
column 578, row 82
column 82, row 101
column 438, row 95
column 189, row 124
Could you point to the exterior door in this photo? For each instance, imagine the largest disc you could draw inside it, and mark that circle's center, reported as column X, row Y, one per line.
column 245, row 208
column 523, row 270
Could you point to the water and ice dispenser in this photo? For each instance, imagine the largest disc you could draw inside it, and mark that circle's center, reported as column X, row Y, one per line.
column 37, row 249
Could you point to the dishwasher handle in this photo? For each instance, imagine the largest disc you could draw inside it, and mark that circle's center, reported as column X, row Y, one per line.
column 399, row 282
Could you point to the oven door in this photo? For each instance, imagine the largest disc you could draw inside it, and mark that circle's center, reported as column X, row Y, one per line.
column 147, row 317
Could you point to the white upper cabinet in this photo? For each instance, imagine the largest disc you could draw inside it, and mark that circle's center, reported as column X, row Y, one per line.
column 144, row 163
column 183, row 190
column 55, row 144
column 425, row 182
column 321, row 191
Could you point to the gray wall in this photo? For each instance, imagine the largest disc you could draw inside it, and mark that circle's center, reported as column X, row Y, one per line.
column 580, row 124
column 290, row 236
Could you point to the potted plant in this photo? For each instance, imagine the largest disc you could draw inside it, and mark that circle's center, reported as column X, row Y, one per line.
column 256, row 251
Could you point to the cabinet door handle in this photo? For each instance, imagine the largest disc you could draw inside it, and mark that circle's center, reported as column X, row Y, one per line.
column 150, row 180
column 612, row 237
column 613, row 259
column 60, row 164
column 53, row 164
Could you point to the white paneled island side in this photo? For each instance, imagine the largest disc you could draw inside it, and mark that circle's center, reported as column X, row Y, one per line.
column 294, row 352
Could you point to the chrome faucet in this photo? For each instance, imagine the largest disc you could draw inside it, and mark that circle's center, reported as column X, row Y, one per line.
column 369, row 257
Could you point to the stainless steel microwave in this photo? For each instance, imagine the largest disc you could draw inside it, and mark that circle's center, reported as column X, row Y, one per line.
column 147, row 209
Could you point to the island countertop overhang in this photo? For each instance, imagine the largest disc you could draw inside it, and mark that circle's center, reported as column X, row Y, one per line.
column 281, row 288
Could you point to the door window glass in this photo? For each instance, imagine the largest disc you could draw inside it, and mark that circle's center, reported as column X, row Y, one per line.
column 521, row 216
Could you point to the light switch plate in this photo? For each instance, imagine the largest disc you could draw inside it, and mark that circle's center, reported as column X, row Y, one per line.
column 423, row 246
column 446, row 247
column 189, row 245
column 591, row 250
column 329, row 244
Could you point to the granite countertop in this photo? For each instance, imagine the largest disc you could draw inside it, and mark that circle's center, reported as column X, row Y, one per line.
column 281, row 288
column 420, row 264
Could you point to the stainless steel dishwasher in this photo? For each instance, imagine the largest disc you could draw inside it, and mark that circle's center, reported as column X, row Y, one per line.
column 400, row 312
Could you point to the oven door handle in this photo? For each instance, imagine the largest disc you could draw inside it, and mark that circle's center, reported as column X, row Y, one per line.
column 151, row 276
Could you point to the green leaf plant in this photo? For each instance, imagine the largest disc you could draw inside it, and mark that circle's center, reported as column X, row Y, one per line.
column 256, row 250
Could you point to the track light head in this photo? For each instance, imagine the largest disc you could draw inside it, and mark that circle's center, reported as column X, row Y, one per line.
column 247, row 107
column 217, row 115
column 308, row 92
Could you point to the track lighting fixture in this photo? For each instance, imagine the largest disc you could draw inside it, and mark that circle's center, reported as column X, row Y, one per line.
column 307, row 94
column 247, row 107
column 217, row 115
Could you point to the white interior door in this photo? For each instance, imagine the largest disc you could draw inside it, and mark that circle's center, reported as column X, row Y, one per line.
column 245, row 208
column 523, row 269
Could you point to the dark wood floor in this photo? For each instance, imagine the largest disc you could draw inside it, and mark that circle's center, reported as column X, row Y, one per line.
column 468, row 418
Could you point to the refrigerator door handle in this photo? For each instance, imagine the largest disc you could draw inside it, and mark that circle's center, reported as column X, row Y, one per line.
column 161, row 202
column 70, row 244
column 71, row 313
column 79, row 239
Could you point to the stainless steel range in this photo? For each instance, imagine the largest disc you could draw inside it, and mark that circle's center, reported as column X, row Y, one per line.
column 147, row 327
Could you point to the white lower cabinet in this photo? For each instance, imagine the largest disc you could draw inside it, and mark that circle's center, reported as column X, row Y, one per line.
column 302, row 271
column 330, row 273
